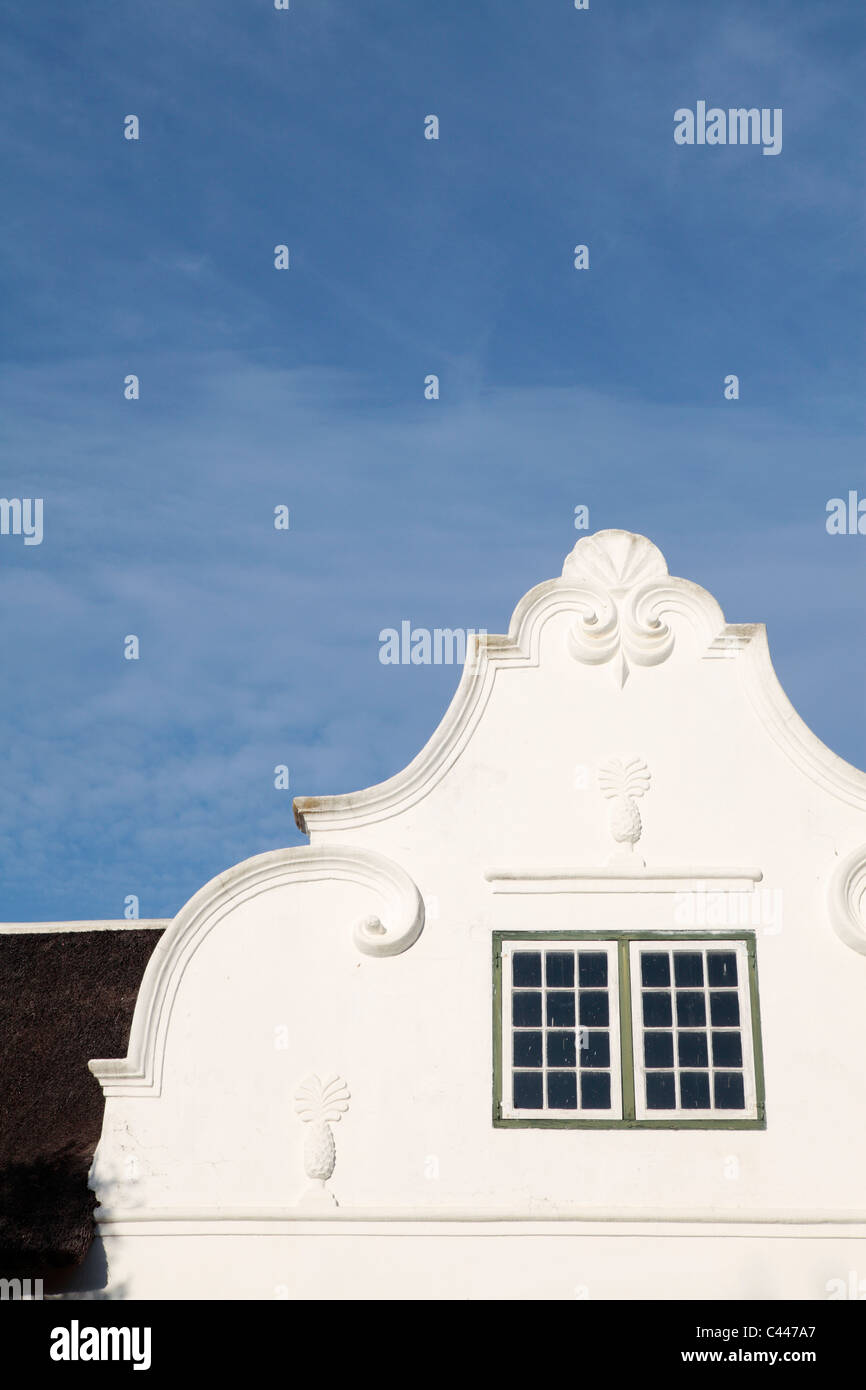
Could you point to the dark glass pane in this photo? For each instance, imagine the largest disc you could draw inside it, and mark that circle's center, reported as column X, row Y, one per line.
column 728, row 1090
column 658, row 1049
column 526, row 968
column 560, row 968
column 692, row 1050
column 560, row 1010
column 655, row 968
column 561, row 1050
column 562, row 1090
column 527, row 1049
column 660, row 1093
column 722, row 967
column 528, row 1091
column 596, row 1053
column 657, row 1010
column 727, row 1050
column 595, row 1090
column 725, row 1009
column 688, row 968
column 526, row 1009
column 695, row 1090
column 592, row 968
column 594, row 1011
column 691, row 1010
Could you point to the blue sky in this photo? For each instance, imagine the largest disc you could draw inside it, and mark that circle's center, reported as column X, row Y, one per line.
column 305, row 387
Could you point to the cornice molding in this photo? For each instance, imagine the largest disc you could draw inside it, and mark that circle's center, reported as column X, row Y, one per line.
column 627, row 611
column 476, row 1220
column 400, row 924
column 619, row 878
column 788, row 730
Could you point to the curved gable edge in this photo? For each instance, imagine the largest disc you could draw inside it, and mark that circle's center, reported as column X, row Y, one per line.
column 401, row 923
column 626, row 612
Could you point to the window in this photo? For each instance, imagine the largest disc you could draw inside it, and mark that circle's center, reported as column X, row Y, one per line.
column 631, row 1028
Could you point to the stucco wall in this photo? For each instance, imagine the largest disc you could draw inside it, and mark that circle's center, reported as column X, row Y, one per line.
column 264, row 985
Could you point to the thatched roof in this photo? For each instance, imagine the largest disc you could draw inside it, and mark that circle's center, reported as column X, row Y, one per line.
column 65, row 996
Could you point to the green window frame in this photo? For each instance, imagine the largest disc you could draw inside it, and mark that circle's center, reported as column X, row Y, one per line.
column 627, row 1031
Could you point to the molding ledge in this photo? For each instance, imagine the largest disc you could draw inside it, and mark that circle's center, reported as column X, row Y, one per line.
column 622, row 879
column 401, row 923
column 788, row 731
column 847, row 900
column 455, row 1221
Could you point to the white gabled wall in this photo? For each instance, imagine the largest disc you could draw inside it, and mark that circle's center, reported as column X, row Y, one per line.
column 268, row 977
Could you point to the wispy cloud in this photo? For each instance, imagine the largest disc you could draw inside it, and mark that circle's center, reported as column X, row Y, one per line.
column 305, row 388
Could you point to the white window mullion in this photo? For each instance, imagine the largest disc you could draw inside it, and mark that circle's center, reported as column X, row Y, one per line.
column 706, row 949
column 573, row 947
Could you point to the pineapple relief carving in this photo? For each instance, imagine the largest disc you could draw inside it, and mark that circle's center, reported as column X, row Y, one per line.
column 320, row 1104
column 623, row 782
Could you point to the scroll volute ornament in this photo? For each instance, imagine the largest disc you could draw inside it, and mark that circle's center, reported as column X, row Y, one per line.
column 847, row 900
column 618, row 576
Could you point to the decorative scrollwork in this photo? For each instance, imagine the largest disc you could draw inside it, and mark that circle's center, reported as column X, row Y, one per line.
column 320, row 1104
column 619, row 574
column 623, row 781
column 847, row 897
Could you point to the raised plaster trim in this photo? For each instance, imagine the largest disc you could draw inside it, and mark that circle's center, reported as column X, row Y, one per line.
column 629, row 618
column 373, row 1221
column 618, row 878
column 140, row 1072
column 624, row 781
column 320, row 1104
column 791, row 733
column 847, row 900
column 626, row 592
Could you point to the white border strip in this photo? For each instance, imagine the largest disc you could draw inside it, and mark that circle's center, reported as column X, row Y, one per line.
column 621, row 879
column 106, row 924
column 372, row 1222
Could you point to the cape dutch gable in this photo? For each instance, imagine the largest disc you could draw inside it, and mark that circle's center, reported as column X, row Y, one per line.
column 328, row 1048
